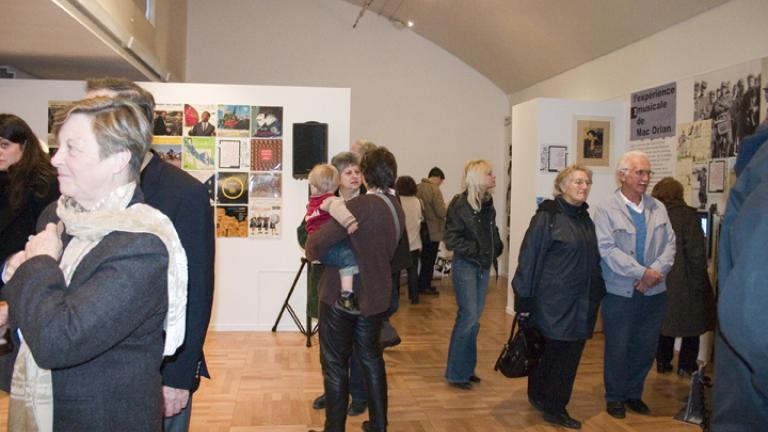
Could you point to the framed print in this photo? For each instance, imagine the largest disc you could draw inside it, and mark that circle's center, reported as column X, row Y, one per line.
column 593, row 141
column 557, row 158
column 716, row 176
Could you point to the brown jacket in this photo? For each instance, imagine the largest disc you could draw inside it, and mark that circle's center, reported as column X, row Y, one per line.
column 374, row 245
column 434, row 208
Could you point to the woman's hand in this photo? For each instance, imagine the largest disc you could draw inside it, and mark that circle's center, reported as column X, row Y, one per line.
column 46, row 242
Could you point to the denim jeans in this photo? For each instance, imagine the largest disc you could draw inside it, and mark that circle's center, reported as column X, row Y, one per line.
column 342, row 256
column 470, row 283
column 632, row 327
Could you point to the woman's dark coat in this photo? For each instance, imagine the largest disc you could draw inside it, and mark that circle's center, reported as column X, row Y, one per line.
column 473, row 235
column 690, row 301
column 558, row 277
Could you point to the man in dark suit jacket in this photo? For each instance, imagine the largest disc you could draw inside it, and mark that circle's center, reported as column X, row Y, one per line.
column 203, row 127
column 184, row 200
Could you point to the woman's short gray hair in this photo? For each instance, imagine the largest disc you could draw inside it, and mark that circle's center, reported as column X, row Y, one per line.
column 344, row 159
column 118, row 125
column 565, row 175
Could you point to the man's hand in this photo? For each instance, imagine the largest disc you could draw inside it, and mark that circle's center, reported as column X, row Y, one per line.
column 651, row 278
column 640, row 286
column 46, row 242
column 174, row 400
column 12, row 263
column 3, row 321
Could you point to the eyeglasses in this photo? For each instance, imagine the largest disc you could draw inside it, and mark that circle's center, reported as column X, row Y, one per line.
column 640, row 173
column 581, row 182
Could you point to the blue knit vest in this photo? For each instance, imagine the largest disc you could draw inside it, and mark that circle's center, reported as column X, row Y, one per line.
column 641, row 231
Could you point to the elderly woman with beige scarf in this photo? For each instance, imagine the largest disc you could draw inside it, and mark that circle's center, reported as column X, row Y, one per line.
column 92, row 293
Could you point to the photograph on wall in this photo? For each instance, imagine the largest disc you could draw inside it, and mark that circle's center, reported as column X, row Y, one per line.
column 267, row 122
column 266, row 155
column 683, row 174
column 208, row 178
column 198, row 153
column 170, row 153
column 699, row 180
column 593, row 141
column 694, row 140
column 557, row 158
column 232, row 221
column 200, row 120
column 729, row 97
column 652, row 112
column 265, row 185
column 53, row 107
column 234, row 120
column 716, row 176
column 168, row 120
column 232, row 188
column 264, row 219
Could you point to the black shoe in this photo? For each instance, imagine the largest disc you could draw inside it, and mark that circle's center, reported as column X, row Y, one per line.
column 562, row 419
column 638, row 406
column 368, row 427
column 537, row 404
column 462, row 385
column 663, row 368
column 319, row 402
column 356, row 408
column 475, row 379
column 616, row 409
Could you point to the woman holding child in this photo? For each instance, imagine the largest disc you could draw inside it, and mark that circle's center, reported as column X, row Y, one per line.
column 380, row 224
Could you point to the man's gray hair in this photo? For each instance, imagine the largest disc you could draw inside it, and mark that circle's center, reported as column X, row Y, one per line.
column 625, row 162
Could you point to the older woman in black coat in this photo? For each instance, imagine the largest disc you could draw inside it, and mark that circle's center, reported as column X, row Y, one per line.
column 690, row 308
column 558, row 287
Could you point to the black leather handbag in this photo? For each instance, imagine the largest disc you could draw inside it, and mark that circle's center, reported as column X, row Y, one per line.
column 521, row 353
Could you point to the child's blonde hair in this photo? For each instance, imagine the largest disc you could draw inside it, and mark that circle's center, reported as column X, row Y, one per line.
column 325, row 178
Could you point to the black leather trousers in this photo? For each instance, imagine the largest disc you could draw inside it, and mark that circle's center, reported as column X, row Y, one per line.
column 339, row 333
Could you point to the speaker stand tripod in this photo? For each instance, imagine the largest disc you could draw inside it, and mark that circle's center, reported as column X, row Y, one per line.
column 307, row 331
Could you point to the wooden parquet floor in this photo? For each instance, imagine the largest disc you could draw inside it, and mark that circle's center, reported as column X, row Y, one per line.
column 265, row 382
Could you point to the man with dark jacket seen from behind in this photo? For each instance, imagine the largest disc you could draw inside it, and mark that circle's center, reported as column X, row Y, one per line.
column 185, row 201
column 433, row 226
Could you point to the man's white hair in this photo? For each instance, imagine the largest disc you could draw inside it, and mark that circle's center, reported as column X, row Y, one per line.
column 625, row 162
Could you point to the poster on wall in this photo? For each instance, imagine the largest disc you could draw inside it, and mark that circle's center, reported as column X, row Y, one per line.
column 716, row 176
column 731, row 99
column 557, row 158
column 593, row 141
column 267, row 122
column 232, row 221
column 234, row 120
column 652, row 112
column 264, row 219
column 699, row 195
column 200, row 120
column 266, row 154
column 694, row 140
column 197, row 153
column 53, row 108
column 167, row 121
column 232, row 188
column 265, row 185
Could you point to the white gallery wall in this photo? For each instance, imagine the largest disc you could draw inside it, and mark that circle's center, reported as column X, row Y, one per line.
column 252, row 276
column 408, row 94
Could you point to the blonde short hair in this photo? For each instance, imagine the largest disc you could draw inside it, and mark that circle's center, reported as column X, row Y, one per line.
column 324, row 177
column 564, row 176
column 474, row 176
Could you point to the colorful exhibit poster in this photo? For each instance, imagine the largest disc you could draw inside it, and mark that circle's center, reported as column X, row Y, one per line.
column 234, row 120
column 652, row 112
column 232, row 188
column 266, row 155
column 264, row 219
column 267, row 122
column 198, row 153
column 200, row 120
column 232, row 221
column 263, row 185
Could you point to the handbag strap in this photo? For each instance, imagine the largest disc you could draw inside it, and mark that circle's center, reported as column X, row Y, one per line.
column 394, row 214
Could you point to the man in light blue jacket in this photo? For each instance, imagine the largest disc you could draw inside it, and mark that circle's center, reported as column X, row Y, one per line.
column 637, row 247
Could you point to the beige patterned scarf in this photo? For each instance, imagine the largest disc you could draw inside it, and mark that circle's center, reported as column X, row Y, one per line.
column 31, row 402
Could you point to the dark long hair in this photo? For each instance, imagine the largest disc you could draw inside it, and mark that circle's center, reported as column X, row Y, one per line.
column 33, row 172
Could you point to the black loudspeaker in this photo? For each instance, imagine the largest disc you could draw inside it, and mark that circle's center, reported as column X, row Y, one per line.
column 310, row 147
